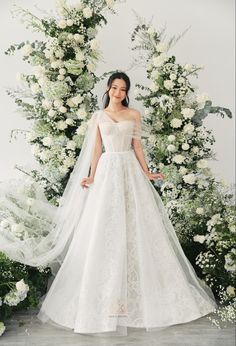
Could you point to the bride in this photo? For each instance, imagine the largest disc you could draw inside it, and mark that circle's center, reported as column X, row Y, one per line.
column 113, row 251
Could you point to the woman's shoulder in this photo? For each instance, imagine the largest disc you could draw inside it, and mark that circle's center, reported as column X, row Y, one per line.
column 134, row 113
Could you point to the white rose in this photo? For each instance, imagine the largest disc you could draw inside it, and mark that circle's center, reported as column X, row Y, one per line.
column 52, row 113
column 62, row 71
column 183, row 170
column 81, row 130
column 199, row 211
column 168, row 84
column 181, row 80
column 47, row 141
column 79, row 38
column 188, row 128
column 61, row 125
column 71, row 145
column 35, row 88
column 46, row 104
column 202, row 163
column 26, row 50
column 77, row 99
column 94, row 44
column 87, row 12
column 69, row 22
column 58, row 103
column 70, row 103
column 69, row 121
column 91, row 67
column 189, row 178
column 230, row 291
column 178, row 158
column 171, row 148
column 62, row 24
column 185, row 146
column 199, row 238
column 171, row 138
column 62, row 109
column 60, row 77
column 173, row 76
column 161, row 47
column 175, row 123
column 154, row 87
column 187, row 113
column 81, row 113
column 21, row 286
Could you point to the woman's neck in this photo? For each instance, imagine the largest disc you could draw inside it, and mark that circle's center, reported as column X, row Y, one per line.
column 115, row 107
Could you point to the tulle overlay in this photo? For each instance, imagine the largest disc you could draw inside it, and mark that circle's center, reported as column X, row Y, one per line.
column 124, row 266
column 121, row 264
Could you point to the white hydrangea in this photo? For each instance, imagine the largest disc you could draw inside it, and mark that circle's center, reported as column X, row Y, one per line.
column 21, row 286
column 202, row 163
column 176, row 123
column 80, row 56
column 62, row 109
column 173, row 76
column 87, row 12
column 195, row 150
column 77, row 99
column 58, row 103
column 69, row 22
column 178, row 159
column 188, row 128
column 168, row 84
column 79, row 38
column 187, row 113
column 69, row 121
column 46, row 104
column 181, row 80
column 81, row 130
column 189, row 178
column 199, row 238
column 230, row 290
column 62, row 24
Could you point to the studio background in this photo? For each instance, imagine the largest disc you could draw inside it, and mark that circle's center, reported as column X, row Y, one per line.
column 208, row 42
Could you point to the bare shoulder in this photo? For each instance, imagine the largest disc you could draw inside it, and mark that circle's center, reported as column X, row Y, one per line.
column 134, row 113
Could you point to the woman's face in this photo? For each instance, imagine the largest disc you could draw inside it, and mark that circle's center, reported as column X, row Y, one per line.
column 117, row 92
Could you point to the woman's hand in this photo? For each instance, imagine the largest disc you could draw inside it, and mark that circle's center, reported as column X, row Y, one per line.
column 154, row 176
column 86, row 181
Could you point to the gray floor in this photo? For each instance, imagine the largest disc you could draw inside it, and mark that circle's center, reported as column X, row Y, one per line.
column 26, row 329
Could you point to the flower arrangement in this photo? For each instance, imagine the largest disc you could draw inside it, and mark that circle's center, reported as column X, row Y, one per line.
column 57, row 96
column 200, row 207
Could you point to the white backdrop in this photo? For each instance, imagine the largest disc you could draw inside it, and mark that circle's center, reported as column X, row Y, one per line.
column 209, row 42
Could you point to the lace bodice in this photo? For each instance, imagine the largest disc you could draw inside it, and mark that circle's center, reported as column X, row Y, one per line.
column 116, row 136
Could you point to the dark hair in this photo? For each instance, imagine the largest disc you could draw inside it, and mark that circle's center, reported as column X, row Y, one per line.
column 117, row 75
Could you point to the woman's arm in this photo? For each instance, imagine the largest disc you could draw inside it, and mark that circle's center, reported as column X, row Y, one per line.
column 138, row 149
column 96, row 155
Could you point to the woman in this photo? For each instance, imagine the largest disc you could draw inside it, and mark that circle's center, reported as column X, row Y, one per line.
column 124, row 266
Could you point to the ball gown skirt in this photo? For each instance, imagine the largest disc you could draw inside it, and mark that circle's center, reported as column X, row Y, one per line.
column 124, row 266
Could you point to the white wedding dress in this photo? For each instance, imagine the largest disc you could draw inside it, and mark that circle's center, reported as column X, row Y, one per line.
column 124, row 266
